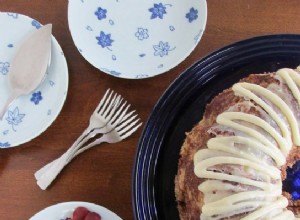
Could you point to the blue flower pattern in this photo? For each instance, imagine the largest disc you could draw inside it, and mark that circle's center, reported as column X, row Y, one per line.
column 142, row 33
column 162, row 49
column 101, row 13
column 13, row 15
column 36, row 24
column 4, row 145
column 115, row 73
column 111, row 22
column 4, row 67
column 192, row 15
column 14, row 118
column 172, row 28
column 36, row 97
column 89, row 28
column 158, row 11
column 104, row 40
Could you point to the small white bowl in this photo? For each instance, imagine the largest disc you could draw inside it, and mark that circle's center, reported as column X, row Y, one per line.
column 136, row 39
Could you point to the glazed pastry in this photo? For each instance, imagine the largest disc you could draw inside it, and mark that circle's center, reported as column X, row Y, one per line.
column 234, row 160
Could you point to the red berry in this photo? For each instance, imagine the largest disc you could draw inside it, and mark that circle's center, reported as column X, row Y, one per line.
column 80, row 213
column 93, row 216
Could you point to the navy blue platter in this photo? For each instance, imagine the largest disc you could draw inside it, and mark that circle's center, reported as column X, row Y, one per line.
column 181, row 107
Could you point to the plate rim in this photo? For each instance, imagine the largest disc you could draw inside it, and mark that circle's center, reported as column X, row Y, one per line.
column 161, row 106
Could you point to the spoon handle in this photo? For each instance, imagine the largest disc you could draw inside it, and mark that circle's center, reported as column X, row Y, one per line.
column 10, row 99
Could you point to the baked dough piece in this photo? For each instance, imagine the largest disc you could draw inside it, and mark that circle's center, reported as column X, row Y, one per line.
column 234, row 160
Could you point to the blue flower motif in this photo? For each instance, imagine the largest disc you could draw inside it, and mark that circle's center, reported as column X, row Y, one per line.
column 158, row 10
column 172, row 28
column 14, row 117
column 104, row 39
column 162, row 49
column 101, row 13
column 89, row 28
column 36, row 97
column 4, row 145
column 51, row 83
column 115, row 73
column 192, row 15
column 111, row 22
column 4, row 67
column 13, row 15
column 142, row 33
column 36, row 24
column 141, row 76
column 197, row 37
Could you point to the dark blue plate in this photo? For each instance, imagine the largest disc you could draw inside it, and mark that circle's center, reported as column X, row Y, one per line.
column 182, row 106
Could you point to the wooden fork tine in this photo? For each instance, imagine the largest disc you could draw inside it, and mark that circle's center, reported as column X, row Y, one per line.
column 127, row 133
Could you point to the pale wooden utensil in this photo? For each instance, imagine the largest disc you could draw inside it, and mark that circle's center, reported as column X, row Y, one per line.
column 29, row 65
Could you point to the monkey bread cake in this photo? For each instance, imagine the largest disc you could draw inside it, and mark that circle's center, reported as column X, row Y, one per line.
column 235, row 163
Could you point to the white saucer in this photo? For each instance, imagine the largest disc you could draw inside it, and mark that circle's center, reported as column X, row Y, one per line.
column 30, row 115
column 136, row 39
column 62, row 211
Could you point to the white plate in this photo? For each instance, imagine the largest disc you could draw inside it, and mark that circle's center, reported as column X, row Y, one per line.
column 62, row 211
column 136, row 39
column 29, row 115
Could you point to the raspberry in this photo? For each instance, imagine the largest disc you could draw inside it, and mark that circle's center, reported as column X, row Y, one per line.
column 80, row 213
column 93, row 216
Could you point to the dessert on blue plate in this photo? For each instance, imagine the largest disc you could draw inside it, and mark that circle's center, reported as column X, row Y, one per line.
column 235, row 159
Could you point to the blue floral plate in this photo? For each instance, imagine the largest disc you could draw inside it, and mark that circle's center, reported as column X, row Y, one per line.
column 30, row 115
column 63, row 211
column 136, row 39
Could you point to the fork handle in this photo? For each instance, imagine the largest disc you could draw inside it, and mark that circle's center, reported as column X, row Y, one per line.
column 47, row 177
column 84, row 137
column 38, row 174
column 51, row 170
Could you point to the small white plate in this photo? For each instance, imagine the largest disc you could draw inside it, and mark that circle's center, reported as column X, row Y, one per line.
column 28, row 116
column 64, row 210
column 136, row 39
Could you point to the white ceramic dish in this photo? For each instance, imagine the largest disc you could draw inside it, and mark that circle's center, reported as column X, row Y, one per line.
column 136, row 39
column 62, row 211
column 29, row 115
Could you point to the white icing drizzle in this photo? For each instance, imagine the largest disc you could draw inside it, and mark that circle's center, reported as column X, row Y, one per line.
column 242, row 171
